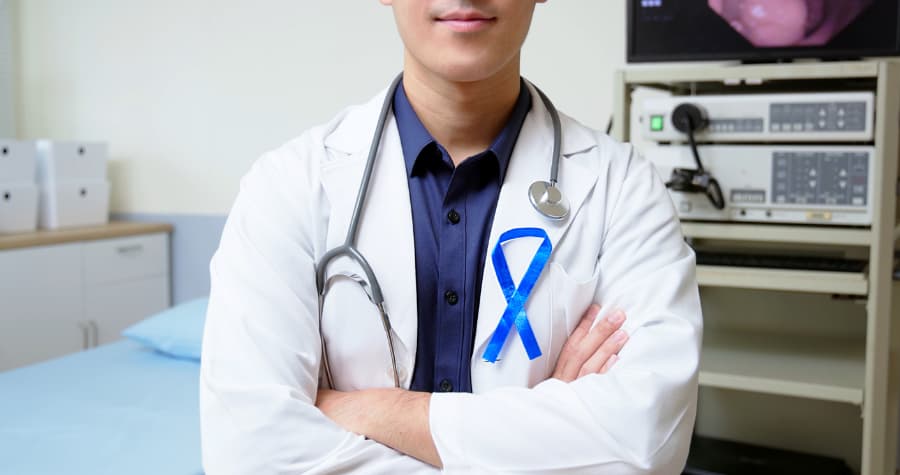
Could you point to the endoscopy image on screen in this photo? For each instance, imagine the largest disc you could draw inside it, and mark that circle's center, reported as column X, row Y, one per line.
column 784, row 23
column 667, row 30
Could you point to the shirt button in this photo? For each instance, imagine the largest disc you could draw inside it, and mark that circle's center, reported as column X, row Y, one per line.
column 453, row 216
column 446, row 386
column 451, row 297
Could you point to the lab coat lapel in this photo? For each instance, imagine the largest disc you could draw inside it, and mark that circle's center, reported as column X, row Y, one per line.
column 385, row 235
column 531, row 161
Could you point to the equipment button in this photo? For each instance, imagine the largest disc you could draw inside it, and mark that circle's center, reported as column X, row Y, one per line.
column 453, row 217
column 451, row 297
column 446, row 386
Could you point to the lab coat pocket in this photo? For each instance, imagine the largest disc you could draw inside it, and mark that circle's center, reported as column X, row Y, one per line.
column 569, row 299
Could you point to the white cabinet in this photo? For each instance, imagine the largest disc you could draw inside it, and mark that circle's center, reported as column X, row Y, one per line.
column 61, row 298
column 40, row 304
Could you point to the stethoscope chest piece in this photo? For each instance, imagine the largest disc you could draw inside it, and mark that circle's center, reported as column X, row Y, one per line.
column 548, row 200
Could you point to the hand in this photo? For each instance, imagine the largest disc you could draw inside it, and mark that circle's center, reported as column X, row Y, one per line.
column 591, row 350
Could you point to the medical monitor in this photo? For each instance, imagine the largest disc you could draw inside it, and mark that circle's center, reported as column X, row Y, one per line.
column 761, row 30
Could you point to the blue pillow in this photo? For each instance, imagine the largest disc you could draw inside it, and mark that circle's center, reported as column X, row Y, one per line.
column 176, row 332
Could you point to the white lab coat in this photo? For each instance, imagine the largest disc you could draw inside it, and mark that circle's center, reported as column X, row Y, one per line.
column 621, row 246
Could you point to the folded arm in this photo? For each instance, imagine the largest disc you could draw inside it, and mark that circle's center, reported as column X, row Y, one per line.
column 399, row 419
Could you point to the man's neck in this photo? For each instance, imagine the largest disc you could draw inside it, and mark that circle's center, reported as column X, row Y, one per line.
column 464, row 117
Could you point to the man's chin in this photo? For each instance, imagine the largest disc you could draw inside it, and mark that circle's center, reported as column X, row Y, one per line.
column 467, row 71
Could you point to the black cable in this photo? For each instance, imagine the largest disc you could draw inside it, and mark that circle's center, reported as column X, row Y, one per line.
column 693, row 142
column 689, row 118
column 710, row 185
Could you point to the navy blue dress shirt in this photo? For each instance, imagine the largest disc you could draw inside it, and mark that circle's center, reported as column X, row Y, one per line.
column 452, row 212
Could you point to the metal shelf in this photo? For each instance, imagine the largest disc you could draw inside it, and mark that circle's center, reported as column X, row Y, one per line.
column 864, row 373
column 765, row 72
column 844, row 283
column 804, row 234
column 817, row 368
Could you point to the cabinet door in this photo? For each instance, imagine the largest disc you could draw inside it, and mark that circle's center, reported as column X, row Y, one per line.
column 126, row 280
column 115, row 307
column 40, row 304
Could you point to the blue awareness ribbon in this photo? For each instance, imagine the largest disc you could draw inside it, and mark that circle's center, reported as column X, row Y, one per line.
column 514, row 314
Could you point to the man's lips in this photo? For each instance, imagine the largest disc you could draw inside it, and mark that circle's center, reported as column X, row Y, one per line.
column 466, row 22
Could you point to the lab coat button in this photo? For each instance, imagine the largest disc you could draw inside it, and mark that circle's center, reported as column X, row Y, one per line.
column 446, row 386
column 451, row 297
column 453, row 217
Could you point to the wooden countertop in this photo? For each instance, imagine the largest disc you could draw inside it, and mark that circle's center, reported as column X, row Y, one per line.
column 114, row 229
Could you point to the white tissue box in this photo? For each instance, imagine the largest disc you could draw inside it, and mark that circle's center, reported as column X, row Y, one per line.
column 74, row 203
column 18, row 207
column 70, row 161
column 18, row 162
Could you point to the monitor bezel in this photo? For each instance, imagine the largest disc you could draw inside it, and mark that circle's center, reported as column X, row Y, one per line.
column 773, row 55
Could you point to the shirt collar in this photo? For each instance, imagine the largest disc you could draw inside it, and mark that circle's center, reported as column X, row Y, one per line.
column 414, row 137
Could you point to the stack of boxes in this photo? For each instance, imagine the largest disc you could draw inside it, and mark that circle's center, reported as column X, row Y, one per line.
column 72, row 179
column 52, row 184
column 18, row 188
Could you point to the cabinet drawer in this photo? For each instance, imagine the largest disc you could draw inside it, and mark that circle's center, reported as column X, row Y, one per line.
column 118, row 260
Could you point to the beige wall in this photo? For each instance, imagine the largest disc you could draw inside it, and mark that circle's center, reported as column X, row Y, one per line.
column 189, row 93
column 7, row 128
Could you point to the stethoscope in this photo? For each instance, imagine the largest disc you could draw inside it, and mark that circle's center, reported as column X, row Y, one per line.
column 544, row 196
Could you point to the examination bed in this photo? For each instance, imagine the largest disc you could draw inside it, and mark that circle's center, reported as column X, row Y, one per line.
column 123, row 408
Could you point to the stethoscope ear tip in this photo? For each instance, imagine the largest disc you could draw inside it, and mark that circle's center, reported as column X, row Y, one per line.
column 548, row 200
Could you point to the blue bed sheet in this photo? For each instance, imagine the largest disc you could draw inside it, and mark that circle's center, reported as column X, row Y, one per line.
column 118, row 409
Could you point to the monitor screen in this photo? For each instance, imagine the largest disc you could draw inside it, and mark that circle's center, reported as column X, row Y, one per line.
column 761, row 30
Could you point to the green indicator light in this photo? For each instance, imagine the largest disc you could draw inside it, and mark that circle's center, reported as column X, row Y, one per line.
column 656, row 123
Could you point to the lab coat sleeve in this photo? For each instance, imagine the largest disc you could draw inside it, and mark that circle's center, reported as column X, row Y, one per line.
column 261, row 350
column 636, row 419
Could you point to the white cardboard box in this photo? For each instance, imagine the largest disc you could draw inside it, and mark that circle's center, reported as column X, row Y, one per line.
column 70, row 161
column 18, row 207
column 74, row 203
column 18, row 162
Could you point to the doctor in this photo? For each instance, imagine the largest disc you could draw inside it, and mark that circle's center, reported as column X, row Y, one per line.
column 504, row 365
